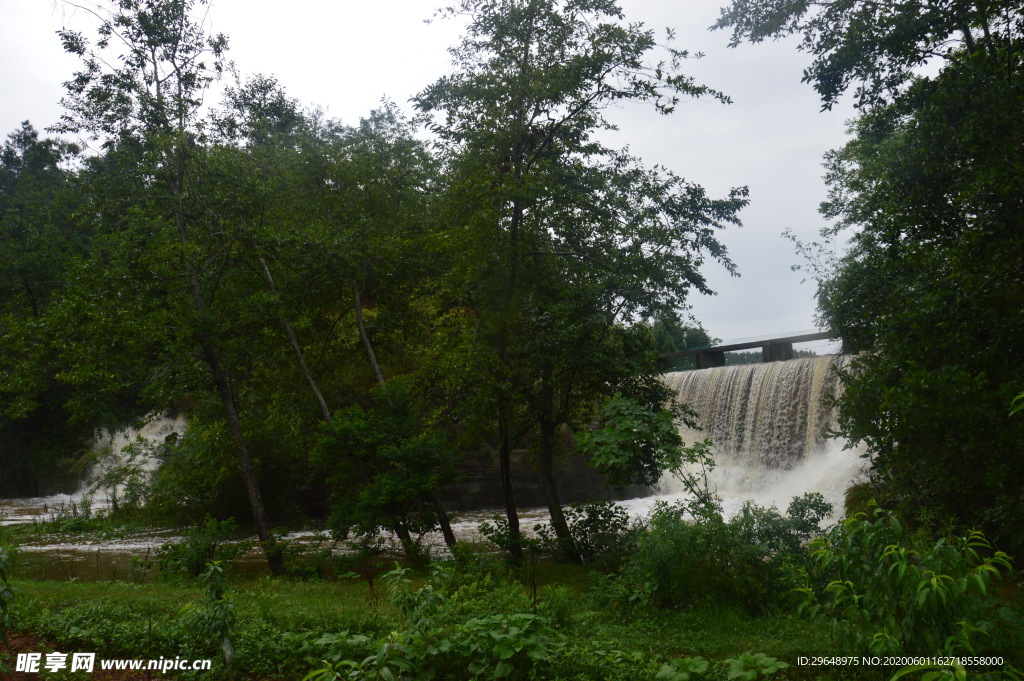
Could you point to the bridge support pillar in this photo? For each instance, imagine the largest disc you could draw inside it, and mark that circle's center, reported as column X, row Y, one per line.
column 707, row 359
column 776, row 352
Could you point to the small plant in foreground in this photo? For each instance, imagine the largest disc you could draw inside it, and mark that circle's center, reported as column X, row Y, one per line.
column 216, row 618
column 682, row 670
column 753, row 666
column 7, row 596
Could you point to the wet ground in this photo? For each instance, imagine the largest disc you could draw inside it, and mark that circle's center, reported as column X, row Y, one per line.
column 131, row 556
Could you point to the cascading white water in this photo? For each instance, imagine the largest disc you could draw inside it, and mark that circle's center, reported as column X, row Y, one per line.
column 133, row 447
column 769, row 425
column 118, row 456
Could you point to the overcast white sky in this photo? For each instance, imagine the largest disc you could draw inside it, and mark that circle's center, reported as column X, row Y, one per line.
column 346, row 56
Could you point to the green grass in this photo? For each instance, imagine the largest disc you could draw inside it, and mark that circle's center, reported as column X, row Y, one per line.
column 465, row 620
column 280, row 622
column 284, row 629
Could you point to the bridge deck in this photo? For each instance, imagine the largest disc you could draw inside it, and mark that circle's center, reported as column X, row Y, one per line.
column 749, row 345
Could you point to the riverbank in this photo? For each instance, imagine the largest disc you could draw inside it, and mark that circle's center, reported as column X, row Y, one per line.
column 687, row 594
column 285, row 629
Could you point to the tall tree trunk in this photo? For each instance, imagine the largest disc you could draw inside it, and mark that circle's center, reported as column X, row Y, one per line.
column 371, row 355
column 547, row 479
column 505, row 464
column 275, row 561
column 504, row 426
column 300, row 358
column 405, row 537
column 364, row 337
column 546, row 472
column 443, row 520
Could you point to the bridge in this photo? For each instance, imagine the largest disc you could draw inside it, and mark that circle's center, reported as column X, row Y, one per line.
column 772, row 350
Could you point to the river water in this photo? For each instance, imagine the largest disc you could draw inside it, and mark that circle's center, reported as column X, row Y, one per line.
column 769, row 422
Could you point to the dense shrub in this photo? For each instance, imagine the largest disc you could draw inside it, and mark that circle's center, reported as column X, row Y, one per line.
column 315, row 557
column 887, row 590
column 209, row 542
column 603, row 535
column 692, row 554
column 7, row 593
column 452, row 628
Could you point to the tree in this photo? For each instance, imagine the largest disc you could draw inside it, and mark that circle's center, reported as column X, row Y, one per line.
column 39, row 238
column 671, row 335
column 410, row 458
column 878, row 47
column 324, row 210
column 929, row 290
column 36, row 204
column 140, row 91
column 552, row 239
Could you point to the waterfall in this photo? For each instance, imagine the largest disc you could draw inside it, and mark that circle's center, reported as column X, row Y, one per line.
column 129, row 454
column 121, row 459
column 769, row 425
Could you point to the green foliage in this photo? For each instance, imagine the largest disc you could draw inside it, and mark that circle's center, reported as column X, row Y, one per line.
column 194, row 479
column 123, row 477
column 72, row 517
column 875, row 47
column 276, row 633
column 671, row 335
column 7, row 592
column 496, row 530
column 450, row 628
column 39, row 195
column 285, row 628
column 928, row 395
column 750, row 667
column 1017, row 405
column 504, row 646
column 458, row 627
column 315, row 557
column 554, row 243
column 887, row 591
column 506, row 265
column 584, row 662
column 636, row 443
column 79, row 518
column 602, row 533
column 929, row 191
column 407, row 457
column 217, row 618
column 691, row 555
column 209, row 542
column 682, row 670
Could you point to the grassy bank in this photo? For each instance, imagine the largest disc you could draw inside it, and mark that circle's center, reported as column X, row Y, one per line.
column 285, row 629
column 687, row 596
